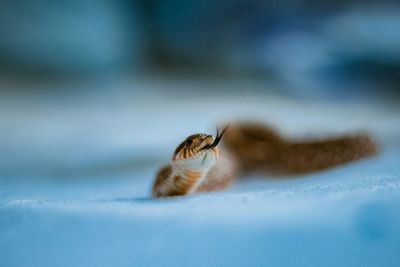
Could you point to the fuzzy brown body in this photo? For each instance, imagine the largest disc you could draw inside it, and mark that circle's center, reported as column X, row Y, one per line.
column 260, row 148
column 252, row 147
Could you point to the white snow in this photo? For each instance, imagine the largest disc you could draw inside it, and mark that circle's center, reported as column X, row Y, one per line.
column 76, row 169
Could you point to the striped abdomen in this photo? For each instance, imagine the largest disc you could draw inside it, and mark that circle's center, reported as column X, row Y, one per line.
column 175, row 183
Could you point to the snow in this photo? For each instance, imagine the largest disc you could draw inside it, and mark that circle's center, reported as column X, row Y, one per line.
column 76, row 172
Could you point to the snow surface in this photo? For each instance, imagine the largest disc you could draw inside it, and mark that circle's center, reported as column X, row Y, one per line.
column 76, row 169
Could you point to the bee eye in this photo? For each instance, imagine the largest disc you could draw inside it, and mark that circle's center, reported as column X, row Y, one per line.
column 189, row 142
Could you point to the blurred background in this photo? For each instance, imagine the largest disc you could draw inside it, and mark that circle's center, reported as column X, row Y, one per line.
column 329, row 48
column 116, row 77
column 96, row 94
